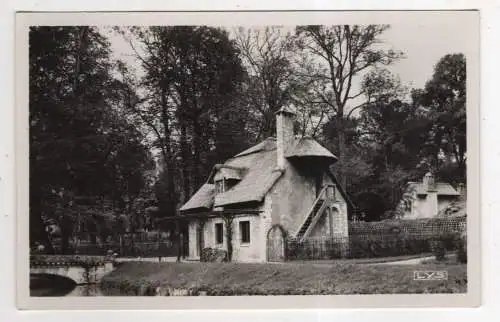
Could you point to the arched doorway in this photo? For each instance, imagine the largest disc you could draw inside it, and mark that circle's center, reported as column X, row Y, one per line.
column 276, row 244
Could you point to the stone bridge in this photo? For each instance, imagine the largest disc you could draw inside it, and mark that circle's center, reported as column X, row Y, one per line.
column 74, row 268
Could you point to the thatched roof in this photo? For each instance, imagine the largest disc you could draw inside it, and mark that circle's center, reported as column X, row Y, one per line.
column 268, row 144
column 442, row 188
column 228, row 172
column 261, row 176
column 256, row 170
column 309, row 148
column 202, row 199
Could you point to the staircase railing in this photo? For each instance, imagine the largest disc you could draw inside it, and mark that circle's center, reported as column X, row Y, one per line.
column 314, row 221
column 321, row 196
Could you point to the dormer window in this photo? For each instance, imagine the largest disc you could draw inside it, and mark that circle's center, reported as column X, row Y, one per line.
column 224, row 184
column 219, row 186
column 407, row 205
column 226, row 178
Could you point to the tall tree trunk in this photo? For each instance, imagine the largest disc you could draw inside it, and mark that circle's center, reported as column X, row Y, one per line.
column 169, row 162
column 341, row 149
column 197, row 149
column 65, row 225
column 229, row 236
column 185, row 163
column 37, row 226
column 81, row 46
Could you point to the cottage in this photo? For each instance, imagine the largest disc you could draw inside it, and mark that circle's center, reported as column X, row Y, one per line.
column 281, row 187
column 427, row 198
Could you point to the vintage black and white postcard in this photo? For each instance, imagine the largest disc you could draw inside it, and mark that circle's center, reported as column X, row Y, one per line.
column 278, row 159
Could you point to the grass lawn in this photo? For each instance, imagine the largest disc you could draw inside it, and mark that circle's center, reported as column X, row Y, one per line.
column 374, row 260
column 143, row 278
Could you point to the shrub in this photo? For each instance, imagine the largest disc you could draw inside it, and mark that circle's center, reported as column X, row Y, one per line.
column 213, row 255
column 292, row 250
column 462, row 249
column 438, row 248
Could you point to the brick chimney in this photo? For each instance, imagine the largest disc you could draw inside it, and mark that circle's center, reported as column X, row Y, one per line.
column 430, row 188
column 428, row 182
column 284, row 134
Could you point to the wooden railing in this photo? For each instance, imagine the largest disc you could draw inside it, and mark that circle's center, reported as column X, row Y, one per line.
column 326, row 193
column 314, row 220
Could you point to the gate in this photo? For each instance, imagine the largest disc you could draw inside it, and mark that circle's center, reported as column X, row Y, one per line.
column 276, row 244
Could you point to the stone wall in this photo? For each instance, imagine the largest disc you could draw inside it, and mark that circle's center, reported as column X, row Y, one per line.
column 79, row 275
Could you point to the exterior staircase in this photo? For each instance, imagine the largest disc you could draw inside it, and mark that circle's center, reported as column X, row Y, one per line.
column 325, row 198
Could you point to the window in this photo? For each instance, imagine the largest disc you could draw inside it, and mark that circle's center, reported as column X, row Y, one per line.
column 230, row 183
column 219, row 186
column 219, row 230
column 407, row 204
column 244, row 231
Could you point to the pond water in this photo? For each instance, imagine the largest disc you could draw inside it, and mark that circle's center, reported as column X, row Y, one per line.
column 52, row 285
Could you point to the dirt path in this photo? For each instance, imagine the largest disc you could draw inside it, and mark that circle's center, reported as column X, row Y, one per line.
column 146, row 259
column 410, row 261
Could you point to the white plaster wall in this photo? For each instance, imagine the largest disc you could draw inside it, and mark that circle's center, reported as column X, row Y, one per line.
column 249, row 252
column 193, row 247
column 254, row 251
column 423, row 207
column 339, row 217
column 209, row 233
column 322, row 227
column 340, row 220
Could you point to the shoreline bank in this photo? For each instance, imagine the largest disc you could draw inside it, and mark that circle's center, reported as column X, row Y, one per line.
column 229, row 279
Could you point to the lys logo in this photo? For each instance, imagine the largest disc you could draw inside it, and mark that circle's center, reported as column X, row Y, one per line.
column 430, row 275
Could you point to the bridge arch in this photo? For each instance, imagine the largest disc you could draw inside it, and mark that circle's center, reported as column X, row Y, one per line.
column 78, row 274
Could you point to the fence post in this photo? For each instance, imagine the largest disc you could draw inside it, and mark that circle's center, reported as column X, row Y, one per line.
column 121, row 246
column 159, row 244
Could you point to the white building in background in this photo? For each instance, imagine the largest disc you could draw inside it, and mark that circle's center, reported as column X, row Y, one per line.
column 427, row 198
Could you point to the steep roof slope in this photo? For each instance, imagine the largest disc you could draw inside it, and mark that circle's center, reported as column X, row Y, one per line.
column 202, row 199
column 259, row 165
column 260, row 177
column 308, row 147
column 442, row 188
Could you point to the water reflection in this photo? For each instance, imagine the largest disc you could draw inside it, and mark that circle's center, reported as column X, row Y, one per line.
column 86, row 290
column 42, row 285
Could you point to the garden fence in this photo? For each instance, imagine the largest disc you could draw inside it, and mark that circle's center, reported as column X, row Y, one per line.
column 137, row 249
column 151, row 244
column 383, row 239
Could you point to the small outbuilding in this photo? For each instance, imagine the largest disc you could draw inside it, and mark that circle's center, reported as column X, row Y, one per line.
column 428, row 198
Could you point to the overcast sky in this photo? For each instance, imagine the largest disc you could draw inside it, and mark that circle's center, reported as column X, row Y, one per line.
column 423, row 45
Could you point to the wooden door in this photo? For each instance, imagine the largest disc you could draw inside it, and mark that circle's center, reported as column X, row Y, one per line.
column 276, row 244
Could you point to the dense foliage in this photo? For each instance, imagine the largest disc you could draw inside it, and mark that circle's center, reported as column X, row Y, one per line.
column 83, row 151
column 115, row 146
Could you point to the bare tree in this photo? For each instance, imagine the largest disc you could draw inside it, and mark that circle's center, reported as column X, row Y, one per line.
column 267, row 56
column 344, row 52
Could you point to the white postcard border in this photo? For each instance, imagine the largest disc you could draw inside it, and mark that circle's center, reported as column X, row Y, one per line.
column 471, row 299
